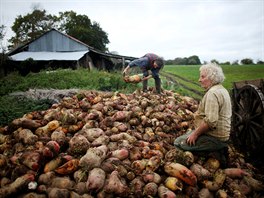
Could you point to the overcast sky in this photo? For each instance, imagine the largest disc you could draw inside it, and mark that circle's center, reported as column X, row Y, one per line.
column 225, row 30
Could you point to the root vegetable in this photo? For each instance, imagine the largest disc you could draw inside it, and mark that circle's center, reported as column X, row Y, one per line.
column 120, row 154
column 135, row 154
column 204, row 192
column 96, row 180
column 164, row 192
column 139, row 165
column 173, row 183
column 46, row 178
column 78, row 144
column 53, row 164
column 153, row 163
column 31, row 160
column 212, row 164
column 59, row 136
column 51, row 149
column 57, row 192
column 181, row 172
column 200, row 172
column 122, row 116
column 150, row 189
column 110, row 164
column 116, row 185
column 46, row 130
column 235, row 172
column 80, row 176
column 102, row 140
column 218, row 181
column 151, row 176
column 93, row 157
column 136, row 187
column 256, row 185
column 91, row 133
column 183, row 157
column 62, row 182
column 26, row 123
column 26, row 136
column 68, row 168
column 16, row 186
column 221, row 194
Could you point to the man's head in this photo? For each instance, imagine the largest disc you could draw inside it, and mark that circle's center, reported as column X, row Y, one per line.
column 158, row 63
column 211, row 74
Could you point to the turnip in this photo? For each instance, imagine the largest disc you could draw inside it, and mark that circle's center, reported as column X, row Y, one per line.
column 26, row 123
column 173, row 183
column 91, row 133
column 136, row 186
column 78, row 144
column 96, row 180
column 58, row 192
column 16, row 186
column 150, row 189
column 120, row 153
column 47, row 129
column 200, row 172
column 164, row 192
column 102, row 140
column 69, row 167
column 181, row 172
column 26, row 136
column 62, row 182
column 116, row 185
column 218, row 181
column 93, row 157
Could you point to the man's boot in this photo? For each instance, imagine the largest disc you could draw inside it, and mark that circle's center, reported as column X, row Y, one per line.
column 145, row 85
column 158, row 85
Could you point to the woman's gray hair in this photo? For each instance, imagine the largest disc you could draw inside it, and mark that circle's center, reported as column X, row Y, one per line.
column 214, row 72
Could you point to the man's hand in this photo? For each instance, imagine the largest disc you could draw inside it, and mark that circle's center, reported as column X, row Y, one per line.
column 191, row 139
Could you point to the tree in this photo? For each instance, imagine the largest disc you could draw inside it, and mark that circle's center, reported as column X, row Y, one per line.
column 194, row 60
column 31, row 26
column 81, row 28
column 247, row 61
column 260, row 62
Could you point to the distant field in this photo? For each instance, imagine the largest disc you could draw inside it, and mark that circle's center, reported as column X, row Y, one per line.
column 232, row 73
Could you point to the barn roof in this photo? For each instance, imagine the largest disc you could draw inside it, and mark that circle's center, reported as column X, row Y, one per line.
column 53, row 45
column 47, row 56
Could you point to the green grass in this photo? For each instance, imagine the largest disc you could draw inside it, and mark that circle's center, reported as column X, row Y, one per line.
column 233, row 73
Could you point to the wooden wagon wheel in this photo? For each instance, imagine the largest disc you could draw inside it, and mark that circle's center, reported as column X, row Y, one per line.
column 248, row 120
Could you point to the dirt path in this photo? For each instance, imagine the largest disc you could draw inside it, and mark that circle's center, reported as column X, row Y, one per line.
column 175, row 78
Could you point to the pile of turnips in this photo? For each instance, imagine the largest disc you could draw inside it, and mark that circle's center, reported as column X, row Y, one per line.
column 104, row 144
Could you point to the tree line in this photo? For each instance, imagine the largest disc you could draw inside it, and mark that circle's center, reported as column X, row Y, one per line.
column 195, row 60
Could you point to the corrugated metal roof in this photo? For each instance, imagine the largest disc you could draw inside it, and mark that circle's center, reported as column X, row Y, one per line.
column 48, row 56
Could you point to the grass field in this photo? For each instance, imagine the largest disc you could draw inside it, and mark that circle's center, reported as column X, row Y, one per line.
column 233, row 73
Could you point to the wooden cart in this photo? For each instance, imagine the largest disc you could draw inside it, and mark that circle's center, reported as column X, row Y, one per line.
column 248, row 117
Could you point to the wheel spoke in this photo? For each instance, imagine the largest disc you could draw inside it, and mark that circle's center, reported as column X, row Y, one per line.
column 256, row 125
column 255, row 116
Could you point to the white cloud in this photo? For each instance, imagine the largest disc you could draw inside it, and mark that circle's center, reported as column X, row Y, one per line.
column 225, row 30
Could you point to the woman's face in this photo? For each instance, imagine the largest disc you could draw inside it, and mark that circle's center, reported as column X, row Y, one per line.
column 204, row 80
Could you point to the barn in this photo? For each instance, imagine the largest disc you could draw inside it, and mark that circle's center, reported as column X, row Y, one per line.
column 55, row 49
